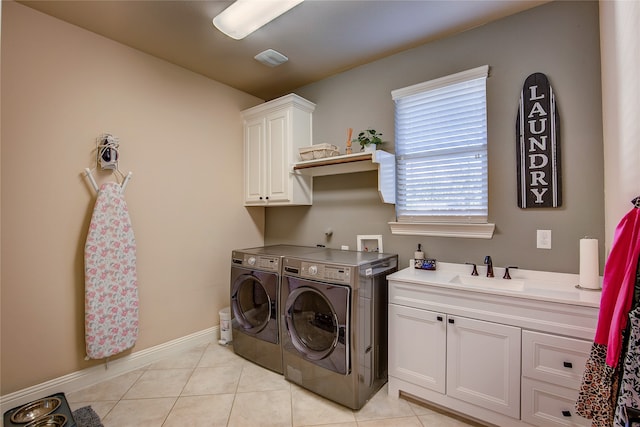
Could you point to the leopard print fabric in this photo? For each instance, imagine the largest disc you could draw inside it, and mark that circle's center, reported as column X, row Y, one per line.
column 596, row 398
column 629, row 394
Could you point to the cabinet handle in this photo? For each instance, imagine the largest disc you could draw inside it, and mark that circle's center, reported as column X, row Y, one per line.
column 451, row 321
column 566, row 413
column 567, row 364
column 439, row 318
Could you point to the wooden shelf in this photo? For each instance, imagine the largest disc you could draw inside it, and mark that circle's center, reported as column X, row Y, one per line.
column 379, row 160
column 336, row 165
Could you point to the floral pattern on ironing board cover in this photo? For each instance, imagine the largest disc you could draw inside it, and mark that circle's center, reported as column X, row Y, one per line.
column 111, row 286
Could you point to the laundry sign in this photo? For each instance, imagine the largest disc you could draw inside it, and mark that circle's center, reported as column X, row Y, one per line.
column 538, row 145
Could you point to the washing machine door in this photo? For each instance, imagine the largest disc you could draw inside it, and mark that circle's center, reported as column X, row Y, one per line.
column 253, row 301
column 317, row 322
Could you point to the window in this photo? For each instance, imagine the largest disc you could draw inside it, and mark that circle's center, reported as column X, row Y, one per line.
column 441, row 152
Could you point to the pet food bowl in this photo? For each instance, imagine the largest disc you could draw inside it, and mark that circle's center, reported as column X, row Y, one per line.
column 35, row 410
column 54, row 420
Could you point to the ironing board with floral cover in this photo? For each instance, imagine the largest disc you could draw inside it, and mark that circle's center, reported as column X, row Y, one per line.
column 111, row 287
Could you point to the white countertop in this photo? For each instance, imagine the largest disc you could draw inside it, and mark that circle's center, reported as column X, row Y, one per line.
column 528, row 284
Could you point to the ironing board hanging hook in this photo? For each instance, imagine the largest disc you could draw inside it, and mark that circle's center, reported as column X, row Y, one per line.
column 107, row 151
column 88, row 174
column 107, row 159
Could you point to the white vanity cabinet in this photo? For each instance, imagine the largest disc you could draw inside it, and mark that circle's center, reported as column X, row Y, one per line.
column 483, row 364
column 552, row 368
column 417, row 346
column 502, row 357
column 471, row 360
column 273, row 132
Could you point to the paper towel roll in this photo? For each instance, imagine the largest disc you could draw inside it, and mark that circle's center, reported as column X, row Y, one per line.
column 589, row 264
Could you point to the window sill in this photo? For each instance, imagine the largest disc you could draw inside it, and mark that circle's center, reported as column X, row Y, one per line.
column 474, row 231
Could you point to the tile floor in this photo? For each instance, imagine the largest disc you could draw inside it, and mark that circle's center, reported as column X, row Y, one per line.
column 212, row 386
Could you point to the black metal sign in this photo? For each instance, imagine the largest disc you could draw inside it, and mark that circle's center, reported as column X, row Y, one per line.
column 538, row 145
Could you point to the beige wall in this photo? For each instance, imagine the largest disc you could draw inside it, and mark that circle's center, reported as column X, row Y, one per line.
column 620, row 88
column 181, row 136
column 560, row 39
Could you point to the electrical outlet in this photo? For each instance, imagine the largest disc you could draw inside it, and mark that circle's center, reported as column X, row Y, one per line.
column 544, row 239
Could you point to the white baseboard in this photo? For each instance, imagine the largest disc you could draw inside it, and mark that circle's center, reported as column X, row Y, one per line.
column 90, row 376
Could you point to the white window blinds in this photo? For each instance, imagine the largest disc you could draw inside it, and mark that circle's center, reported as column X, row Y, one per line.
column 441, row 149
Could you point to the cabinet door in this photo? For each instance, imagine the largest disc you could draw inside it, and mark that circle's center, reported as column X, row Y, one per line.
column 254, row 163
column 417, row 346
column 483, row 364
column 278, row 156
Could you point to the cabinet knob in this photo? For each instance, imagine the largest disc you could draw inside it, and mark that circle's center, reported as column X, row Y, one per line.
column 260, row 197
column 567, row 364
column 451, row 321
column 439, row 318
column 566, row 413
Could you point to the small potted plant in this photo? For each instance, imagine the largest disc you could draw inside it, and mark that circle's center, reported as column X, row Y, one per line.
column 369, row 140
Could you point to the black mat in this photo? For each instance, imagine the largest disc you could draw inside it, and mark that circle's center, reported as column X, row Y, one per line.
column 87, row 417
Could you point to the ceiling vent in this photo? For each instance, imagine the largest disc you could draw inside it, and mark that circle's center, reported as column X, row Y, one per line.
column 271, row 58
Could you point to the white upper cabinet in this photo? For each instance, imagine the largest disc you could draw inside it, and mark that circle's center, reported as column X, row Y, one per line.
column 273, row 132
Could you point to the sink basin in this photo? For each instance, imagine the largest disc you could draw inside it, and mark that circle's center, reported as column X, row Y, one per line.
column 489, row 282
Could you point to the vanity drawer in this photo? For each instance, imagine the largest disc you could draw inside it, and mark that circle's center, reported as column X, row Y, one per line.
column 549, row 405
column 555, row 359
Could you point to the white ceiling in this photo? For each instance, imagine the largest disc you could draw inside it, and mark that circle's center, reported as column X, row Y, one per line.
column 320, row 37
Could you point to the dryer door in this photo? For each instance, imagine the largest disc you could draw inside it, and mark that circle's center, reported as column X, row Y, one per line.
column 317, row 322
column 253, row 300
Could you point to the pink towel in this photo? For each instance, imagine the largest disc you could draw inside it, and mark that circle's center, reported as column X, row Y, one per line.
column 111, row 286
column 618, row 285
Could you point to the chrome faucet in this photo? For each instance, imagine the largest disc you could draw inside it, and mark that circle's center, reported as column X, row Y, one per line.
column 489, row 263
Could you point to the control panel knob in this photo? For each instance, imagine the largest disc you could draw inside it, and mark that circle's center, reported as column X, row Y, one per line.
column 313, row 270
column 251, row 260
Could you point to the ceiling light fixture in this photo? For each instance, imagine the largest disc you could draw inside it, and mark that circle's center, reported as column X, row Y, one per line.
column 243, row 17
column 271, row 58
